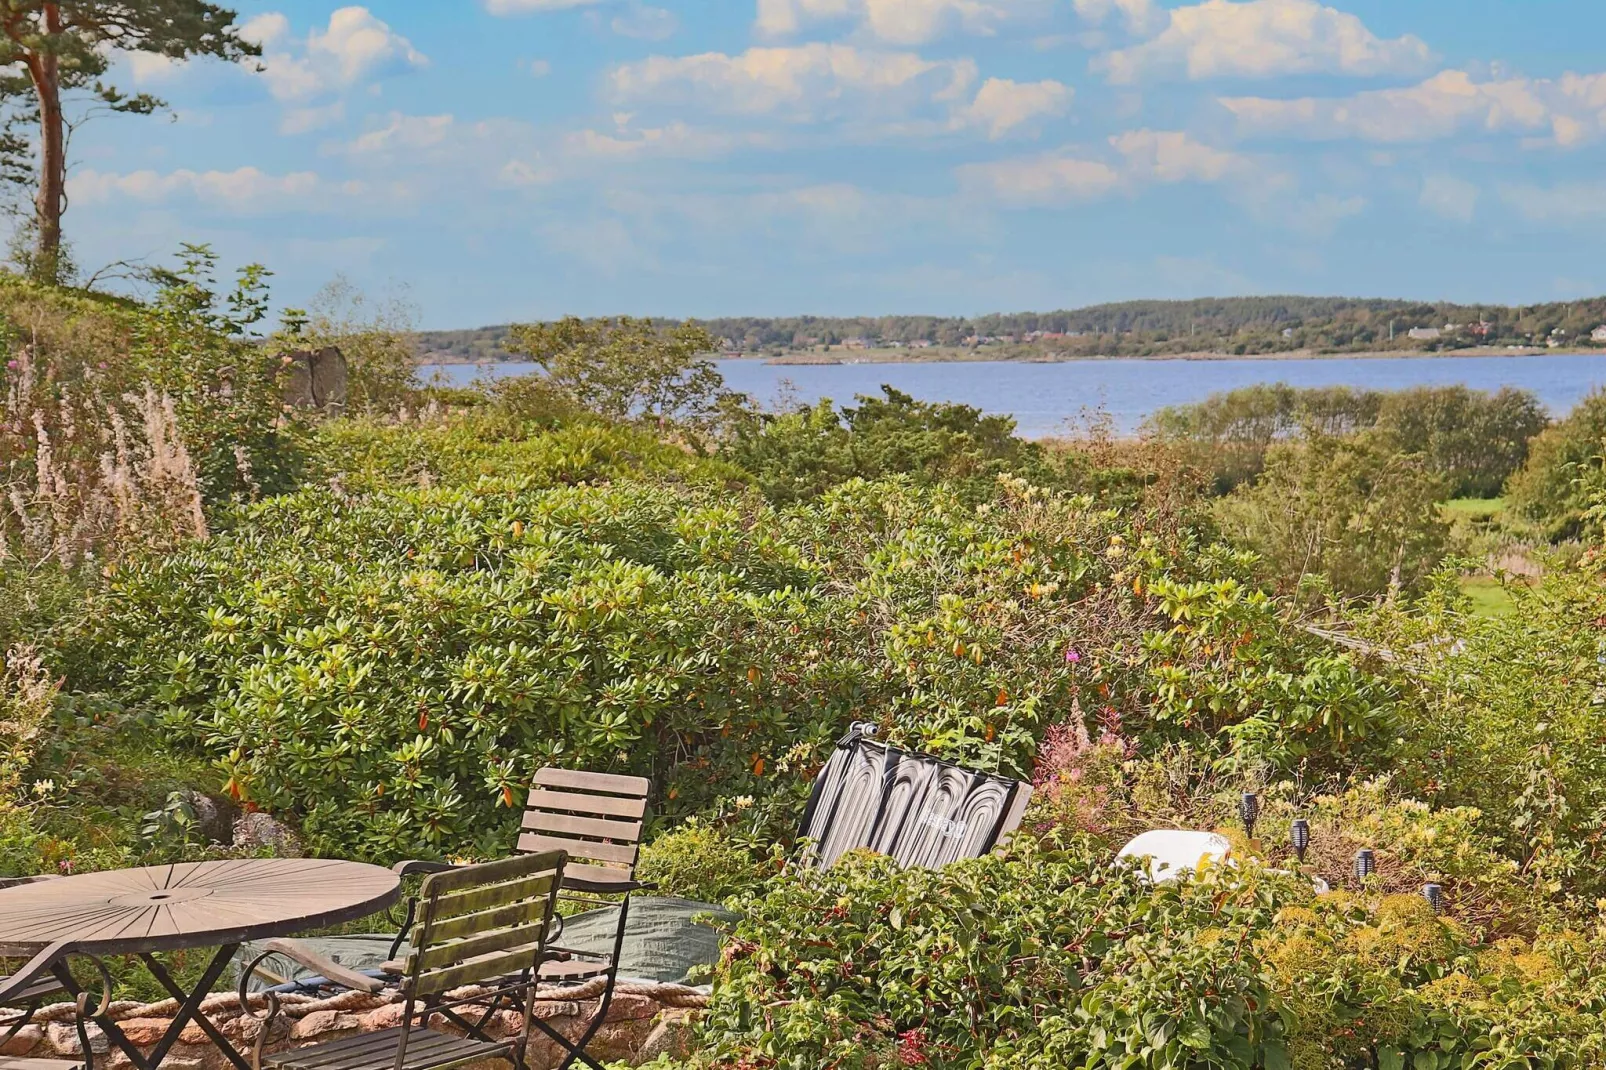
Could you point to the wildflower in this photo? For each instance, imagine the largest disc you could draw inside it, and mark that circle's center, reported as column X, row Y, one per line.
column 43, row 787
column 1072, row 655
column 743, row 802
column 13, row 365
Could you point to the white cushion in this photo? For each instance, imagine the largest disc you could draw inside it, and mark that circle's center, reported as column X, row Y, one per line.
column 1169, row 852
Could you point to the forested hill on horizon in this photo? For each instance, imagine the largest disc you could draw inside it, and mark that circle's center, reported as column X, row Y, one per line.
column 1234, row 325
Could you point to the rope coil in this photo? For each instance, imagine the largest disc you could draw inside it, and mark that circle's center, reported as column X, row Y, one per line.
column 225, row 1005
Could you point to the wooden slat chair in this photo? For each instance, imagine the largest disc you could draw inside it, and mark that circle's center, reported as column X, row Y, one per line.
column 41, row 980
column 483, row 925
column 596, row 819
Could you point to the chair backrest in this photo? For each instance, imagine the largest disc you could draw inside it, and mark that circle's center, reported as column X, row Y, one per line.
column 919, row 809
column 596, row 817
column 482, row 923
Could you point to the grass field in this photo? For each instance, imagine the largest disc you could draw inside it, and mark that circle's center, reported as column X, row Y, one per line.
column 1489, row 599
column 1474, row 507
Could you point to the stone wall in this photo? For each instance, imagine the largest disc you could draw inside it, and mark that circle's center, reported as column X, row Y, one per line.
column 638, row 1028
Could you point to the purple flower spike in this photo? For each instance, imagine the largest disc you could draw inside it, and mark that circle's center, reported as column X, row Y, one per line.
column 1072, row 655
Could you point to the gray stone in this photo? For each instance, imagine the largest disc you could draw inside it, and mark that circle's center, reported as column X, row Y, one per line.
column 63, row 1038
column 214, row 818
column 316, row 379
column 672, row 1036
column 254, row 831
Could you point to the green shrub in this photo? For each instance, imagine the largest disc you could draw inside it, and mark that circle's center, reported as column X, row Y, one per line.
column 704, row 861
column 394, row 666
column 1561, row 479
column 800, row 454
column 1350, row 510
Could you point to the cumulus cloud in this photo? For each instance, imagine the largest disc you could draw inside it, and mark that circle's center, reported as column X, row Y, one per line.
column 526, row 7
column 420, row 153
column 1002, row 105
column 1258, row 39
column 804, row 84
column 354, row 47
column 1139, row 158
column 245, row 191
column 630, row 143
column 1564, row 112
column 892, row 92
column 902, row 22
column 1139, row 16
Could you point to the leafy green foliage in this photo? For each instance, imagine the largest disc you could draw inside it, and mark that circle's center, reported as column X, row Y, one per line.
column 1350, row 510
column 800, row 454
column 435, row 645
column 627, row 368
column 1474, row 440
column 1562, row 478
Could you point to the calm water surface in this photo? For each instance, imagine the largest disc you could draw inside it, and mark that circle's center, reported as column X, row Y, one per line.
column 1046, row 398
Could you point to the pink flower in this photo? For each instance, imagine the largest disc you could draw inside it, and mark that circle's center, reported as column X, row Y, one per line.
column 1072, row 655
column 13, row 365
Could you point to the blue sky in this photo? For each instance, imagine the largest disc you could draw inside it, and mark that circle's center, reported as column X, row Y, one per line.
column 519, row 159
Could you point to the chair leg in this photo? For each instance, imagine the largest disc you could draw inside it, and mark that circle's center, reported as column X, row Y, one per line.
column 578, row 1050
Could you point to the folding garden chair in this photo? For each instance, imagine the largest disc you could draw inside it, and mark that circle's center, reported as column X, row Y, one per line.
column 31, row 986
column 482, row 926
column 596, row 819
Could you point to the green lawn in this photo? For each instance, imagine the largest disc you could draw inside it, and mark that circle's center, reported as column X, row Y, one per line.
column 1489, row 599
column 1474, row 507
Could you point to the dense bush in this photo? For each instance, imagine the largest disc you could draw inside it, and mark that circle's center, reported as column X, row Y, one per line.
column 435, row 645
column 1506, row 718
column 1562, row 478
column 1473, row 440
column 1047, row 956
column 800, row 454
column 1348, row 510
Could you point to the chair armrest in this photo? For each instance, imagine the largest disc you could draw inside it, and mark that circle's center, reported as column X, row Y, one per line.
column 415, row 865
column 324, row 966
column 607, row 887
column 32, row 969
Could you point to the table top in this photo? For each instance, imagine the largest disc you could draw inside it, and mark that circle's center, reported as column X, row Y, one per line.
column 191, row 904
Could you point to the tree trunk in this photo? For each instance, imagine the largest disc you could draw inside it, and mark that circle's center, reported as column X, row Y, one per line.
column 51, row 200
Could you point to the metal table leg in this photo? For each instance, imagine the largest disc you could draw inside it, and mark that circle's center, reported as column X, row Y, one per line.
column 188, row 1011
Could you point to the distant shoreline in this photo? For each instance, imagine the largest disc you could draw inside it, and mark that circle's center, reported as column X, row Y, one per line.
column 975, row 356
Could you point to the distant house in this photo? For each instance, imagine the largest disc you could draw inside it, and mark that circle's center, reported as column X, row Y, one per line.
column 1425, row 334
column 1598, row 334
column 855, row 343
column 920, row 343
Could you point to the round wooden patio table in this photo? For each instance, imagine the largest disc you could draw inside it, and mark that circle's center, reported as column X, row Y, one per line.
column 218, row 904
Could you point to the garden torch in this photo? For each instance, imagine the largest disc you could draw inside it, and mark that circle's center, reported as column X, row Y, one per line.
column 1249, row 810
column 1299, row 833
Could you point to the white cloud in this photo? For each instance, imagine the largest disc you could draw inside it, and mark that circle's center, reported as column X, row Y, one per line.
column 526, row 7
column 421, row 155
column 245, row 191
column 1140, row 158
column 1139, row 16
column 645, row 23
column 1002, row 105
column 149, row 67
column 1050, row 179
column 538, row 68
column 1262, row 39
column 353, row 48
column 628, row 143
column 889, row 93
column 902, row 22
column 802, row 84
column 1449, row 197
column 1570, row 111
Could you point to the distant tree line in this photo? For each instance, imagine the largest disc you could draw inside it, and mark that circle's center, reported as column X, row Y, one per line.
column 1243, row 325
